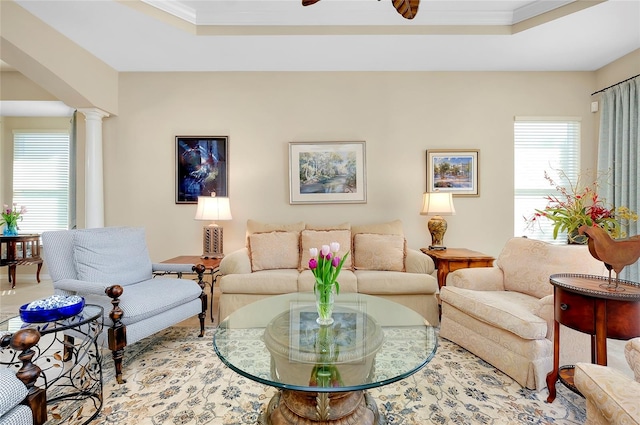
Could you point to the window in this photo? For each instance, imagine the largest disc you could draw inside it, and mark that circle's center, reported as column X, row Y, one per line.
column 542, row 144
column 41, row 179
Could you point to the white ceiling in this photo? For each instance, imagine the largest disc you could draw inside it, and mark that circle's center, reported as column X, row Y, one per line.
column 348, row 35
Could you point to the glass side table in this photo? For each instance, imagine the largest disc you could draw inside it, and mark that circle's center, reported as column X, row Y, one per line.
column 71, row 363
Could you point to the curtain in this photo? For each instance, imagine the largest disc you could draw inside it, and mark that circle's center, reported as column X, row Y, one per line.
column 618, row 157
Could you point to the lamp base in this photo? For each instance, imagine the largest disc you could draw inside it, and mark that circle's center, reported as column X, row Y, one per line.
column 437, row 227
column 212, row 242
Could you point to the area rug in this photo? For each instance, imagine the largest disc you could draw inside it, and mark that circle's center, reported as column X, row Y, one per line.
column 174, row 377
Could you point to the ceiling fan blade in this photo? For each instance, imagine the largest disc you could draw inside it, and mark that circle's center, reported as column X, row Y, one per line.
column 407, row 8
column 309, row 2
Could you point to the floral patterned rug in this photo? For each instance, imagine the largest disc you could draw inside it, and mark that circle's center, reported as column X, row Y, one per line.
column 176, row 378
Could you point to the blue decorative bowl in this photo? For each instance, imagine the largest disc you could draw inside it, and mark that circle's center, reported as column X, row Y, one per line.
column 41, row 315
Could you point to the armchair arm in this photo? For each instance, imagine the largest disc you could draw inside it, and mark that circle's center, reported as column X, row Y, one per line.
column 82, row 287
column 172, row 268
column 417, row 262
column 479, row 279
column 632, row 354
column 545, row 310
column 238, row 262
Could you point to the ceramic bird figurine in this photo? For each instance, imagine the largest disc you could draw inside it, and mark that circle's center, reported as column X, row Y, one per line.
column 616, row 254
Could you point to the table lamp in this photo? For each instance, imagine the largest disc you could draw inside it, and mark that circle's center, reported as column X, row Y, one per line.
column 212, row 208
column 437, row 204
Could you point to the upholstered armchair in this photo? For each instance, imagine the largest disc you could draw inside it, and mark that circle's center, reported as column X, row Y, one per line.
column 612, row 397
column 504, row 314
column 110, row 267
column 21, row 401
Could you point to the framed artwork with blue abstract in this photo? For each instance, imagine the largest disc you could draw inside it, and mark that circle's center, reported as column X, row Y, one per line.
column 201, row 167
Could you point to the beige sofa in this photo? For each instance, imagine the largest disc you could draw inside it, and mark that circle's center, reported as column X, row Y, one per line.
column 275, row 261
column 612, row 397
column 504, row 314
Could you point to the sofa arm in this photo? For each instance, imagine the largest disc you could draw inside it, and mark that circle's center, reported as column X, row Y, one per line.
column 238, row 262
column 477, row 278
column 632, row 354
column 417, row 262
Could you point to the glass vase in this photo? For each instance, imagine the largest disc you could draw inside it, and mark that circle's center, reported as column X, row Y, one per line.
column 10, row 229
column 325, row 297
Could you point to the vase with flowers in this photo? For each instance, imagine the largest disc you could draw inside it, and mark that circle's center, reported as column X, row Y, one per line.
column 10, row 217
column 578, row 205
column 326, row 265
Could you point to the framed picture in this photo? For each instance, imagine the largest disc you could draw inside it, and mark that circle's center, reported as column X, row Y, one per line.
column 454, row 171
column 327, row 172
column 201, row 167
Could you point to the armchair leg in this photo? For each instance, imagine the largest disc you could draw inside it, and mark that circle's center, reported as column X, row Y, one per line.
column 36, row 399
column 118, row 331
column 200, row 269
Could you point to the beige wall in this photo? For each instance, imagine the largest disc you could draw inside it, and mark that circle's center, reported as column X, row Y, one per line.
column 399, row 115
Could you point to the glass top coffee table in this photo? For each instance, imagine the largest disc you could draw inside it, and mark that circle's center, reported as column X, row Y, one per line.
column 323, row 372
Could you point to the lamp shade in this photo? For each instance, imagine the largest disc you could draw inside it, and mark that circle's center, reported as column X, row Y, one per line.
column 213, row 208
column 437, row 203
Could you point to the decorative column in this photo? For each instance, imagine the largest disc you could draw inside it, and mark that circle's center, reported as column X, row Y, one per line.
column 94, row 186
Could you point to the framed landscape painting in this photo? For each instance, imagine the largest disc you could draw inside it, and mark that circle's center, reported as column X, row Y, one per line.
column 327, row 172
column 454, row 171
column 201, row 167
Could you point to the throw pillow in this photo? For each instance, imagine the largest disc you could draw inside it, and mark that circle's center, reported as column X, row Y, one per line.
column 317, row 238
column 112, row 255
column 379, row 252
column 254, row 226
column 275, row 250
column 341, row 226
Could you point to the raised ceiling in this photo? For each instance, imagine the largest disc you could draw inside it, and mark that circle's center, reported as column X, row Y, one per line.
column 347, row 35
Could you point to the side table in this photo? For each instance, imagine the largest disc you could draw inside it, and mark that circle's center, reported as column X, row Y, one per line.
column 450, row 259
column 21, row 250
column 580, row 303
column 211, row 264
column 70, row 360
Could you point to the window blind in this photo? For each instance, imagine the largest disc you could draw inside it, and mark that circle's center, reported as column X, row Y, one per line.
column 41, row 179
column 542, row 144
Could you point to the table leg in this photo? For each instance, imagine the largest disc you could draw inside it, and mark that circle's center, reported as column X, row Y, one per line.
column 289, row 407
column 552, row 377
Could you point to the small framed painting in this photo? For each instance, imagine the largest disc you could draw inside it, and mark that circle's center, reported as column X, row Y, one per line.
column 327, row 172
column 201, row 167
column 454, row 171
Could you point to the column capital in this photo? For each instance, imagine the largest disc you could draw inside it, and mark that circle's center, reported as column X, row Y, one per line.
column 93, row 113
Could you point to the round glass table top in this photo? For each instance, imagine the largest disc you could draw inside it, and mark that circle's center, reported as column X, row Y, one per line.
column 372, row 342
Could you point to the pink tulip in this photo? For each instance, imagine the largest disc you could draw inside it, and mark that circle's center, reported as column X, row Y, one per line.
column 335, row 261
column 313, row 252
column 325, row 250
column 313, row 263
column 335, row 247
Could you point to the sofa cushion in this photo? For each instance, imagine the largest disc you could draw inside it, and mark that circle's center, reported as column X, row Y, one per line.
column 379, row 252
column 632, row 354
column 395, row 283
column 254, row 226
column 511, row 311
column 275, row 250
column 112, row 255
column 389, row 228
column 271, row 282
column 12, row 390
column 346, row 278
column 341, row 226
column 317, row 238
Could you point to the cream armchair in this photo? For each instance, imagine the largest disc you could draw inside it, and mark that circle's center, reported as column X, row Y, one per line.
column 504, row 314
column 612, row 397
